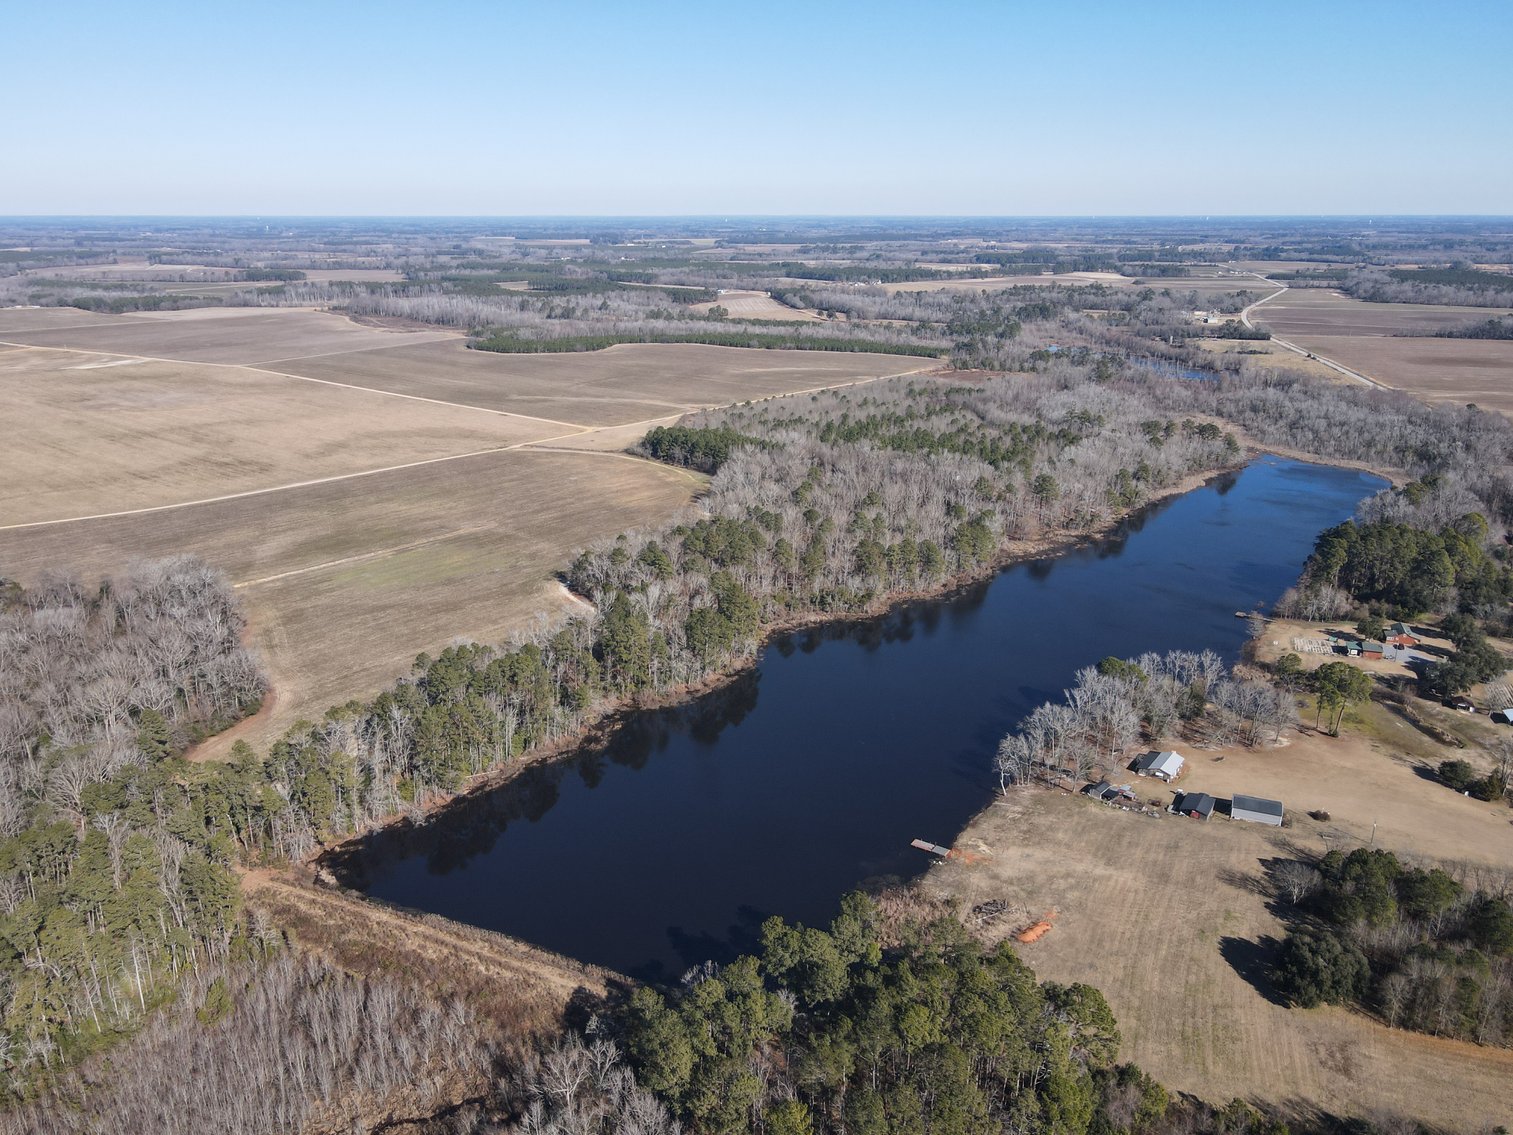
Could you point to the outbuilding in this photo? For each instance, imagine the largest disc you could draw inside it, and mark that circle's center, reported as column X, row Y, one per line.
column 1503, row 716
column 1256, row 810
column 1163, row 766
column 1198, row 805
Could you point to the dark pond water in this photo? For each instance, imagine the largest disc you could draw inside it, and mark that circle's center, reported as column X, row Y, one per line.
column 812, row 772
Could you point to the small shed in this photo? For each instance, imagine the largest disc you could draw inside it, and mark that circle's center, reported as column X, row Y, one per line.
column 1163, row 766
column 1503, row 716
column 1372, row 649
column 1256, row 810
column 1198, row 805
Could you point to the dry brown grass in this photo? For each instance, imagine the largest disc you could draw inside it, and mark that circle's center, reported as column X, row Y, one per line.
column 345, row 582
column 101, row 433
column 757, row 305
column 1263, row 352
column 520, row 990
column 1170, row 919
column 364, row 520
column 218, row 335
column 629, row 383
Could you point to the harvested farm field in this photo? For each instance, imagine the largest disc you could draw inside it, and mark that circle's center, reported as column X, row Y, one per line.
column 1304, row 312
column 246, row 335
column 370, row 502
column 1166, row 914
column 757, row 305
column 103, row 433
column 1370, row 338
column 346, row 581
column 628, row 383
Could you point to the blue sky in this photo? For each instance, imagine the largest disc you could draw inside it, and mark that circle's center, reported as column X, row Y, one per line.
column 1049, row 108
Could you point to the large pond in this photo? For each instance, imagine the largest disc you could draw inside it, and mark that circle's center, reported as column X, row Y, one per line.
column 812, row 772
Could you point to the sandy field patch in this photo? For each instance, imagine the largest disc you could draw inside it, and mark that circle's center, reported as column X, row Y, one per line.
column 629, row 383
column 1479, row 371
column 224, row 335
column 757, row 305
column 101, row 433
column 347, row 581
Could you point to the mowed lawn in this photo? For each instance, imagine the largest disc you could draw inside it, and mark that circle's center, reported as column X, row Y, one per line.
column 1370, row 338
column 1173, row 920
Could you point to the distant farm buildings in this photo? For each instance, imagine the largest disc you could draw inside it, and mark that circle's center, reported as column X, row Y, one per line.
column 1256, row 810
column 1165, row 766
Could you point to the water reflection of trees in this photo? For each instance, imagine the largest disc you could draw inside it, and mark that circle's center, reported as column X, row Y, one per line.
column 471, row 825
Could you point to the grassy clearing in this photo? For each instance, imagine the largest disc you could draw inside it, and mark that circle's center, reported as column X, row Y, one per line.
column 1171, row 920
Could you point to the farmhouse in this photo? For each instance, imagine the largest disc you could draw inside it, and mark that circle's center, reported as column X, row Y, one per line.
column 1198, row 805
column 1164, row 766
column 1256, row 810
column 1401, row 634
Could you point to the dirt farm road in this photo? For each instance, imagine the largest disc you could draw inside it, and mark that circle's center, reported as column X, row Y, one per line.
column 1354, row 375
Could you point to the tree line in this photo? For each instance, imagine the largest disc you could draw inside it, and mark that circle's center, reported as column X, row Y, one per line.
column 1120, row 701
column 1418, row 946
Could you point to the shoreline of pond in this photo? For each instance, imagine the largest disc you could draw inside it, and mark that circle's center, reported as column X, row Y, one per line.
column 340, row 862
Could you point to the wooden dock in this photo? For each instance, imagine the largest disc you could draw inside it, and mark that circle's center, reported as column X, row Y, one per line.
column 932, row 848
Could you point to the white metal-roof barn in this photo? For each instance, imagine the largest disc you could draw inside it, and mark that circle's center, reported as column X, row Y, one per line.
column 1256, row 810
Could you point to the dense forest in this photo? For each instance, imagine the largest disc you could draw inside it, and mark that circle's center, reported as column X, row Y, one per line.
column 111, row 888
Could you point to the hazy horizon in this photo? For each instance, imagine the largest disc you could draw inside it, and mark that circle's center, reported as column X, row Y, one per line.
column 885, row 109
